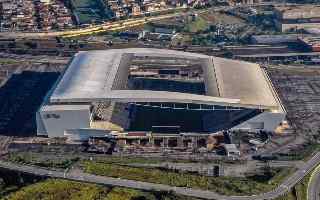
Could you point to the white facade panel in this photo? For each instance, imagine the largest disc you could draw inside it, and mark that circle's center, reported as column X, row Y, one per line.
column 56, row 120
column 267, row 121
column 41, row 130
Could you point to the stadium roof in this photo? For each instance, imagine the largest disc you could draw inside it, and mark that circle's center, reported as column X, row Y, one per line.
column 102, row 75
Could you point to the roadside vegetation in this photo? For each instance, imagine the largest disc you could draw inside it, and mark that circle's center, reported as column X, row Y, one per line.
column 57, row 189
column 8, row 61
column 298, row 192
column 63, row 161
column 129, row 160
column 253, row 184
column 142, row 160
column 12, row 181
column 27, row 158
column 7, row 189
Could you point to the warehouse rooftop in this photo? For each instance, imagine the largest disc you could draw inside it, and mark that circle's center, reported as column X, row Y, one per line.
column 299, row 11
column 103, row 75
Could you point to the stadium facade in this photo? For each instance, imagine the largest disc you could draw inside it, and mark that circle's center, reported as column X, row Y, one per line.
column 159, row 90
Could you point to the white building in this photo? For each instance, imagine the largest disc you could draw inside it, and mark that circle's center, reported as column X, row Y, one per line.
column 237, row 94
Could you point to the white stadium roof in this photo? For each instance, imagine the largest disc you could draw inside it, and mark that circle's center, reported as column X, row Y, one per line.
column 100, row 75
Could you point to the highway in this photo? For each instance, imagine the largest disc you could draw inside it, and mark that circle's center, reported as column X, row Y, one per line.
column 108, row 26
column 313, row 191
column 84, row 177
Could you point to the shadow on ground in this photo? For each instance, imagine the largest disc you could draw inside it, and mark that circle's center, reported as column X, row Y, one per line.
column 20, row 98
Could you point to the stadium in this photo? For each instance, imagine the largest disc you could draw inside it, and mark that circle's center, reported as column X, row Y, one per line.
column 160, row 91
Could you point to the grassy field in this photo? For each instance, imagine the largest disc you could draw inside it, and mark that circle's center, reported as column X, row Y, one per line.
column 213, row 17
column 56, row 189
column 32, row 159
column 222, row 185
column 209, row 17
column 7, row 61
column 199, row 24
column 89, row 11
column 59, row 189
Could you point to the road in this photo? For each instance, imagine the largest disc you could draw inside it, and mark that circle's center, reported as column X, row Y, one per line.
column 84, row 177
column 36, row 59
column 314, row 185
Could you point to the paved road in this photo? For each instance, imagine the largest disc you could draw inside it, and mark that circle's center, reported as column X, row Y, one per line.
column 80, row 176
column 37, row 59
column 314, row 185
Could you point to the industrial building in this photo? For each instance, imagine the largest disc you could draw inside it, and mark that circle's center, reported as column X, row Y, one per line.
column 275, row 39
column 239, row 2
column 297, row 17
column 159, row 91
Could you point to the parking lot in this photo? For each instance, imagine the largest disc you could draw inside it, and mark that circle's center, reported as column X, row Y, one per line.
column 23, row 87
column 299, row 89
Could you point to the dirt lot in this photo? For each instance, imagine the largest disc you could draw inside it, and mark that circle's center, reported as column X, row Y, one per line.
column 213, row 17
